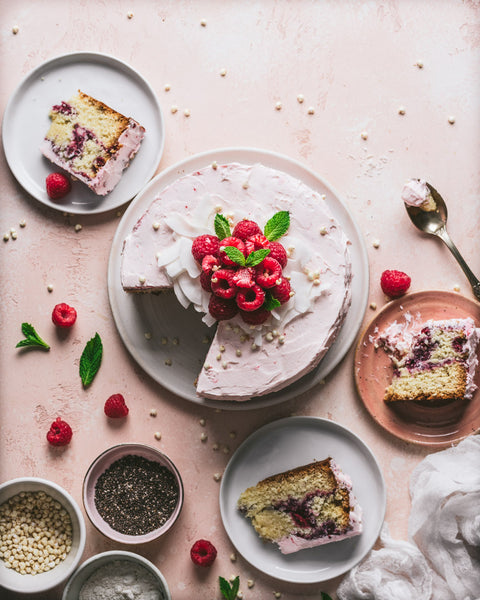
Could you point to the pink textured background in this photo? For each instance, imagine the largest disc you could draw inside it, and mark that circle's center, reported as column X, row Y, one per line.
column 355, row 63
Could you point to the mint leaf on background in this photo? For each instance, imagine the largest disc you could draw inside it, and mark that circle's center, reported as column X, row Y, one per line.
column 90, row 360
column 277, row 226
column 270, row 302
column 256, row 257
column 235, row 254
column 222, row 227
column 31, row 338
column 229, row 591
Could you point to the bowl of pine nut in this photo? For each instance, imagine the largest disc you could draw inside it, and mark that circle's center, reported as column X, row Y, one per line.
column 42, row 535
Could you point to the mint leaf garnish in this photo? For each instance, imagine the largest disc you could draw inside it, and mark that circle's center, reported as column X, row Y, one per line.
column 229, row 591
column 222, row 227
column 277, row 226
column 325, row 596
column 270, row 302
column 236, row 255
column 31, row 338
column 256, row 257
column 90, row 360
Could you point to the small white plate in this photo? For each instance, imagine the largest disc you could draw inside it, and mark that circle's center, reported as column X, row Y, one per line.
column 283, row 445
column 163, row 317
column 104, row 77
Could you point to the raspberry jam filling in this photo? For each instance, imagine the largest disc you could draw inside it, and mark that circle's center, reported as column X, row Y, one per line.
column 304, row 516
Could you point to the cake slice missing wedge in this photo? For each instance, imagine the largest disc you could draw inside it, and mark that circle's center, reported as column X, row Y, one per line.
column 304, row 507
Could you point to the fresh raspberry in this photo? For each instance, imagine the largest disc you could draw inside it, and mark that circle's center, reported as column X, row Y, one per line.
column 278, row 252
column 203, row 553
column 222, row 309
column 244, row 277
column 203, row 245
column 222, row 284
column 115, row 407
column 281, row 291
column 205, row 281
column 64, row 315
column 394, row 283
column 57, row 185
column 269, row 272
column 255, row 317
column 208, row 262
column 60, row 433
column 245, row 229
column 230, row 241
column 256, row 242
column 250, row 299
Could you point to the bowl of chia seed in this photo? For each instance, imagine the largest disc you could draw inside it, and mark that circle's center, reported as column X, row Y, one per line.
column 132, row 493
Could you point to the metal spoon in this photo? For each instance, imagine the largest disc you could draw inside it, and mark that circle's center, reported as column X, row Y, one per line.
column 434, row 222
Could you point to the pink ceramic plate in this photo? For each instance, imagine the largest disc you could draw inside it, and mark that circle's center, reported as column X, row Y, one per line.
column 419, row 422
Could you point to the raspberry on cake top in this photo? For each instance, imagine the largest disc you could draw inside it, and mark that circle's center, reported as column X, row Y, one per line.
column 91, row 141
column 157, row 255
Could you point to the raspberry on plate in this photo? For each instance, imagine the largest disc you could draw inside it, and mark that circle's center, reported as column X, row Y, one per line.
column 278, row 252
column 394, row 283
column 64, row 315
column 60, row 433
column 204, row 245
column 250, row 299
column 58, row 185
column 115, row 407
column 281, row 291
column 222, row 284
column 230, row 241
column 203, row 553
column 255, row 317
column 269, row 272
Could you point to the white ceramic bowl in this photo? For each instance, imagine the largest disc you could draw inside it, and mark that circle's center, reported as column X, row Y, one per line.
column 76, row 581
column 10, row 579
column 100, row 464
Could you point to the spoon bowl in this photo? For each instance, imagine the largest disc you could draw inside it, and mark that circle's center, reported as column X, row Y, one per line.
column 434, row 222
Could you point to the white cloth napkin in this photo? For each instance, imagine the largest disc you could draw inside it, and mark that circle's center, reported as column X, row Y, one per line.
column 442, row 560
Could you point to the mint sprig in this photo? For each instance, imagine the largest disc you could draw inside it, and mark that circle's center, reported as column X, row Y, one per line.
column 31, row 338
column 229, row 591
column 277, row 226
column 90, row 360
column 222, row 227
column 253, row 259
column 270, row 302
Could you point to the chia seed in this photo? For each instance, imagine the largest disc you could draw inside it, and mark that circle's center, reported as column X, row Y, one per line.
column 136, row 495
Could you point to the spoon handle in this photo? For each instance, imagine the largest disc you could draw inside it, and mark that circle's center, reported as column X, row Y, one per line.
column 474, row 282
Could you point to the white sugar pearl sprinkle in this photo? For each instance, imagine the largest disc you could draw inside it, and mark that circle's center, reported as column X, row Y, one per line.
column 300, row 98
column 451, row 120
column 223, row 72
column 311, row 110
column 158, row 435
column 15, row 29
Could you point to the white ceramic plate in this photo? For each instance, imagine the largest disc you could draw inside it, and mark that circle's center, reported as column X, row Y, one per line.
column 283, row 445
column 163, row 317
column 104, row 77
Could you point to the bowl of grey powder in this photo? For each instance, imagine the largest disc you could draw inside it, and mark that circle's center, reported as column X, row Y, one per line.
column 133, row 493
column 42, row 535
column 117, row 574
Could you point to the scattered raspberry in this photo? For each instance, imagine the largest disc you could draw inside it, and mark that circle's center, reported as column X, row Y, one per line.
column 244, row 277
column 245, row 229
column 221, row 309
column 115, row 407
column 251, row 298
column 203, row 245
column 64, row 315
column 269, row 272
column 255, row 317
column 60, row 433
column 203, row 553
column 230, row 241
column 208, row 262
column 222, row 284
column 278, row 252
column 394, row 283
column 57, row 185
column 256, row 242
column 281, row 291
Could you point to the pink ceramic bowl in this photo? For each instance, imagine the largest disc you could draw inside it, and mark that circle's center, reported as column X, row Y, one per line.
column 101, row 464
